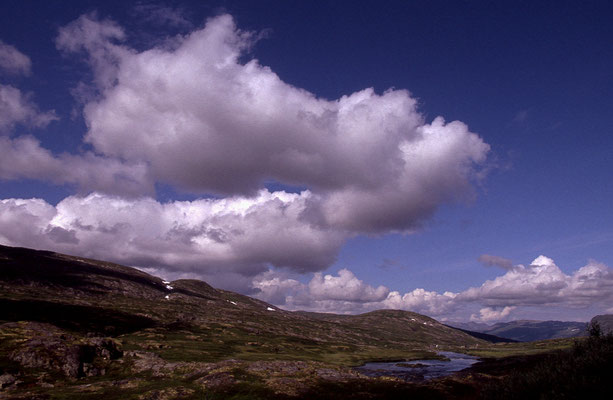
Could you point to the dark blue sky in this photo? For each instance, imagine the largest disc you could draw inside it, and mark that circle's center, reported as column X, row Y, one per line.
column 533, row 79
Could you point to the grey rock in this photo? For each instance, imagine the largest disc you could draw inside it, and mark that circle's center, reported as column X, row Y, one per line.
column 52, row 349
column 7, row 380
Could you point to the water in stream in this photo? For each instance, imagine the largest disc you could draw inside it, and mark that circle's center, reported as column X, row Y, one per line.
column 420, row 370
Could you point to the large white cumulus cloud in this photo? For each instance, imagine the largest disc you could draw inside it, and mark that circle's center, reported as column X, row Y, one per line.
column 544, row 283
column 197, row 114
column 489, row 314
column 345, row 287
column 237, row 234
column 206, row 122
column 342, row 293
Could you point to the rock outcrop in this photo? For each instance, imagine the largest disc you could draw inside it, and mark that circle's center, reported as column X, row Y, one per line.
column 44, row 346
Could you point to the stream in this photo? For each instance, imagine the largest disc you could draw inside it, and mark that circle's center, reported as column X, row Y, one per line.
column 420, row 370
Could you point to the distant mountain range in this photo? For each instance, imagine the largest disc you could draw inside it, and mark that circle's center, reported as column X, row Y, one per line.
column 527, row 330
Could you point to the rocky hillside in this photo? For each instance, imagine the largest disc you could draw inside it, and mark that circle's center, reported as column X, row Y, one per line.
column 605, row 322
column 64, row 318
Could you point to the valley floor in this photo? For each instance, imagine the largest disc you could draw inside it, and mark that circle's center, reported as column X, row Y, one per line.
column 56, row 372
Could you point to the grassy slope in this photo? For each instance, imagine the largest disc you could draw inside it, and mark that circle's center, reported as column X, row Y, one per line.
column 199, row 322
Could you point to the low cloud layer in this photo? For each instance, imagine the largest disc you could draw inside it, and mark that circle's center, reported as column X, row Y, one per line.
column 237, row 234
column 540, row 284
column 543, row 283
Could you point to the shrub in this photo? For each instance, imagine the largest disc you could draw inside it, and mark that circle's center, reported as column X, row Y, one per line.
column 585, row 371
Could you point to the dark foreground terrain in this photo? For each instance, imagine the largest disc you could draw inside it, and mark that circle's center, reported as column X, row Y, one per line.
column 74, row 328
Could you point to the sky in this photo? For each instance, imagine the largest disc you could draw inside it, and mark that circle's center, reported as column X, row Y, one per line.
column 448, row 158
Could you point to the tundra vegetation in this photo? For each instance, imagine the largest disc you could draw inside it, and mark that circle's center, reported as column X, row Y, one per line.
column 74, row 328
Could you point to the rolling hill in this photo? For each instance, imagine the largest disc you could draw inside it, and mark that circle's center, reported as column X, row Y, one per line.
column 64, row 318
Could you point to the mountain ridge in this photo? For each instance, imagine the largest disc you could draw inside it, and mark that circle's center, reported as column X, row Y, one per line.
column 529, row 330
column 51, row 287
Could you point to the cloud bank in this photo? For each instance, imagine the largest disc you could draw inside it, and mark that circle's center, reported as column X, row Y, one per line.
column 236, row 234
column 541, row 284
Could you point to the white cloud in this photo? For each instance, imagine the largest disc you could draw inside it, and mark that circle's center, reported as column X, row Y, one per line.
column 538, row 283
column 593, row 281
column 13, row 61
column 204, row 121
column 344, row 293
column 422, row 301
column 346, row 286
column 193, row 116
column 24, row 158
column 541, row 284
column 98, row 40
column 24, row 222
column 17, row 108
column 489, row 314
column 233, row 235
column 233, row 243
column 275, row 287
